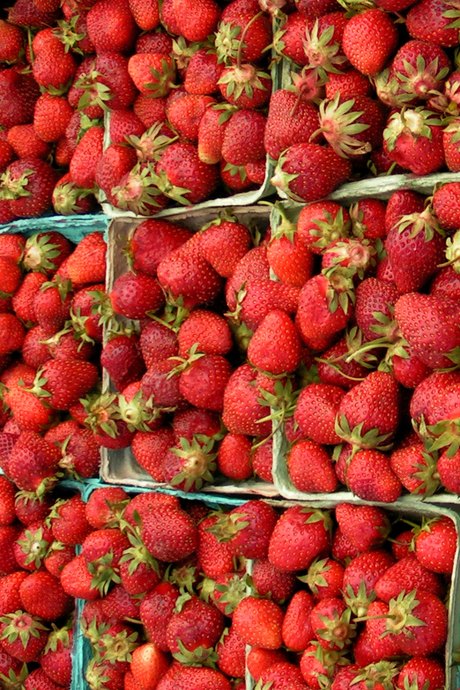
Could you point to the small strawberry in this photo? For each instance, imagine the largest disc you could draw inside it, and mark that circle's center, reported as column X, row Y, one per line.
column 316, row 410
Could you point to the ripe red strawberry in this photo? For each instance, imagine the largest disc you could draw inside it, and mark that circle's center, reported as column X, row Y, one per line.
column 446, row 205
column 425, row 607
column 310, row 468
column 378, row 394
column 180, row 677
column 258, row 622
column 243, row 140
column 202, row 73
column 321, row 224
column 364, row 526
column 369, row 38
column 56, row 659
column 202, row 383
column 427, row 21
column 406, row 574
column 231, row 654
column 42, row 596
column 188, row 275
column 51, row 304
column 23, row 635
column 234, row 458
column 111, row 26
column 146, row 14
column 369, row 475
column 316, row 411
column 311, row 530
column 26, row 143
column 53, row 66
column 197, row 624
column 248, row 528
column 420, row 671
column 242, row 408
column 435, row 344
column 64, row 382
column 156, row 610
column 223, row 244
column 272, row 583
column 68, row 521
column 211, row 132
column 242, row 20
column 18, row 93
column 134, row 294
column 152, row 73
column 179, row 169
column 331, row 623
column 28, row 185
column 85, row 158
column 185, row 113
column 289, row 258
column 435, row 545
column 320, row 315
column 207, row 330
column 77, row 581
column 86, row 265
column 259, row 297
column 12, row 42
column 306, row 172
column 169, row 534
column 198, row 24
column 296, row 629
column 33, row 462
column 148, row 665
column 281, row 357
column 360, row 577
column 413, row 139
column 51, row 117
column 150, row 448
column 374, row 308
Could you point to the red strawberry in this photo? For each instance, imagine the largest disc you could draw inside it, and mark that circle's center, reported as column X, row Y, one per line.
column 33, row 462
column 211, row 132
column 28, row 185
column 18, row 93
column 360, row 577
column 309, row 529
column 413, row 139
column 272, row 583
column 196, row 25
column 420, row 671
column 23, row 635
column 242, row 20
column 284, row 675
column 306, row 172
column 415, row 468
column 427, row 21
column 364, row 526
column 207, row 330
column 281, row 357
column 321, row 224
column 310, row 468
column 68, row 521
column 187, row 274
column 63, row 382
column 146, row 15
column 331, row 623
column 133, row 295
column 435, row 545
column 258, row 622
column 320, row 315
column 248, row 528
column 111, row 26
column 86, row 265
column 369, row 476
column 297, row 630
column 435, row 344
column 56, row 659
column 406, row 574
column 148, row 663
column 242, row 408
column 316, row 410
column 243, row 140
column 85, row 158
column 180, row 677
column 224, row 242
column 42, row 596
column 369, row 38
column 179, row 169
column 234, row 457
column 156, row 610
column 26, row 143
column 289, row 258
column 197, row 624
column 169, row 534
column 184, row 114
column 203, row 382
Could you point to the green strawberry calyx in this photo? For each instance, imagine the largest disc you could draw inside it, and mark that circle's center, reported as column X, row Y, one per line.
column 21, row 626
column 198, row 462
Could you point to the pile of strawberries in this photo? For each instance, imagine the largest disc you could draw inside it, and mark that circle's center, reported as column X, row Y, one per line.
column 341, row 324
column 37, row 538
column 148, row 104
column 175, row 593
column 50, row 344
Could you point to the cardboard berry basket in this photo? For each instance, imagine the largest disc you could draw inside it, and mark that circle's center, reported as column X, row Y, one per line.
column 119, row 466
column 405, row 508
column 240, row 199
column 82, row 649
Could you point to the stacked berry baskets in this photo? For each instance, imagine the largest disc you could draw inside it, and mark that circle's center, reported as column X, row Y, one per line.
column 229, row 369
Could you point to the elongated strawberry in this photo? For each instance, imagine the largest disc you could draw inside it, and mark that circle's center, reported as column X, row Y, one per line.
column 258, row 622
column 321, row 315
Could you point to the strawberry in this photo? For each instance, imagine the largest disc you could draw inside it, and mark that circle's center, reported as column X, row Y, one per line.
column 18, row 93
column 196, row 625
column 184, row 114
column 53, row 67
column 435, row 545
column 68, row 521
column 157, row 342
column 33, row 462
column 243, row 140
column 315, row 413
column 415, row 468
column 12, row 42
column 360, row 577
column 56, row 659
column 289, row 258
column 420, row 671
column 152, row 241
column 283, row 675
column 447, row 468
column 111, row 26
column 311, row 529
column 245, row 86
column 413, row 139
column 331, row 623
column 23, row 635
column 427, row 21
column 85, row 158
column 42, row 596
column 51, row 117
column 306, row 171
column 320, row 315
column 152, row 73
column 296, row 629
column 26, row 143
column 445, row 204
column 169, row 534
column 224, row 242
column 364, row 526
column 145, row 14
column 243, row 32
column 10, row 600
column 86, row 265
column 134, row 294
column 283, row 358
column 63, row 382
column 406, row 574
column 419, row 68
column 242, row 408
column 28, row 185
column 234, row 457
column 369, row 475
column 415, row 637
column 368, row 40
column 196, row 26
column 349, row 84
column 310, row 468
column 202, row 73
column 180, row 677
column 376, row 641
column 183, row 176
column 248, row 528
column 231, row 654
column 451, row 146
column 257, row 298
column 434, row 345
column 207, row 330
column 316, row 664
column 148, row 663
column 123, row 124
column 156, row 610
column 321, row 224
column 258, row 622
column 378, row 394
column 272, row 583
column 211, row 132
